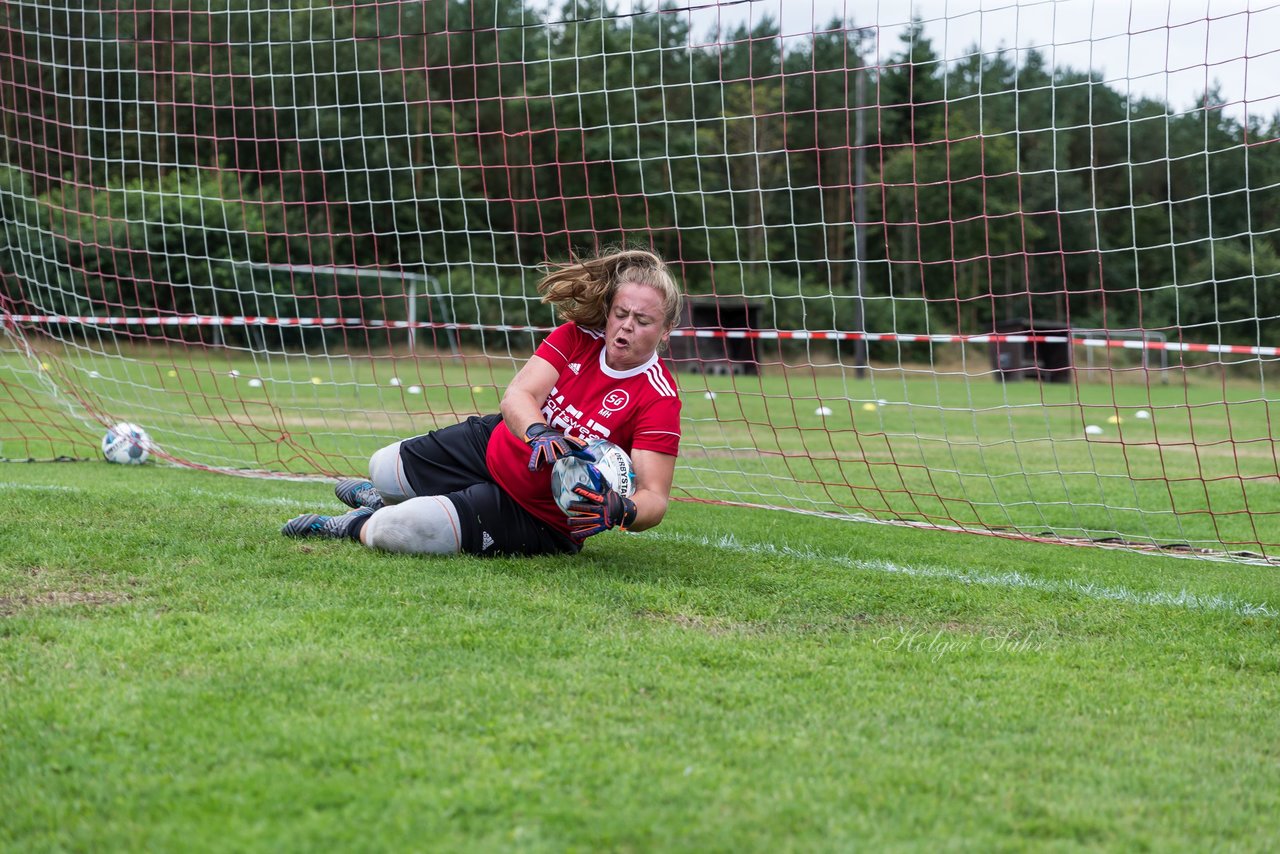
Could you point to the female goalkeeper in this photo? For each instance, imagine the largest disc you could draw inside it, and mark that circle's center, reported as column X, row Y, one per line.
column 483, row 486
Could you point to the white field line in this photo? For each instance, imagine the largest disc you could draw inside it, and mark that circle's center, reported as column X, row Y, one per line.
column 266, row 501
column 1182, row 599
column 7, row 486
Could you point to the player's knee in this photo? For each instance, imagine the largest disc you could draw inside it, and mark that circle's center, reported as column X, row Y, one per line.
column 386, row 472
column 425, row 525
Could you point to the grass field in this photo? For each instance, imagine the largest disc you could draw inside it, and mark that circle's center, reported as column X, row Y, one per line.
column 174, row 675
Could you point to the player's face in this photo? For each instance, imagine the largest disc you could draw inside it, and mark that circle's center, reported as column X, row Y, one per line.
column 636, row 326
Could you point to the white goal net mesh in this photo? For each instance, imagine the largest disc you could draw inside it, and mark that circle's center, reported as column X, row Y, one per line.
column 1006, row 269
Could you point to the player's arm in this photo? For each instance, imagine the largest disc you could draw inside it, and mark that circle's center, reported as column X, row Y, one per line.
column 521, row 410
column 654, row 473
column 522, row 402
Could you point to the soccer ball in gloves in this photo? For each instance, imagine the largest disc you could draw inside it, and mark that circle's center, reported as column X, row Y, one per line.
column 611, row 463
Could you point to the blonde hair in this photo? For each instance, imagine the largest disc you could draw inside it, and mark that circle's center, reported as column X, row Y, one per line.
column 583, row 290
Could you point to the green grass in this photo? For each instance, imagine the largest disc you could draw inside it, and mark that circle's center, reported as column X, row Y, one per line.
column 174, row 675
column 934, row 448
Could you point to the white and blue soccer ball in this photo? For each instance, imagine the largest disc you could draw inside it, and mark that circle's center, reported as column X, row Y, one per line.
column 127, row 444
column 611, row 462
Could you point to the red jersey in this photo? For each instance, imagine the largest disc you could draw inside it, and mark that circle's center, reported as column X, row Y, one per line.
column 637, row 408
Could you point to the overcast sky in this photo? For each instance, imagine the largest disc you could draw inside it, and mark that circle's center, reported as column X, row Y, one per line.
column 1166, row 49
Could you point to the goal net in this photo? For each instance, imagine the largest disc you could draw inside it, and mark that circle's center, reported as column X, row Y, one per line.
column 1009, row 270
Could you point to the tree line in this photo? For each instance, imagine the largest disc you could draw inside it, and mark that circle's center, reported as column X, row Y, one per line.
column 184, row 160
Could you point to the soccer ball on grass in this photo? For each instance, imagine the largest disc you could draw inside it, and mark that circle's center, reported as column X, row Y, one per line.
column 611, row 463
column 127, row 444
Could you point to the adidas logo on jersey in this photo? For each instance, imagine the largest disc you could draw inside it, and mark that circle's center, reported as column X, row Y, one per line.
column 485, row 541
column 576, row 367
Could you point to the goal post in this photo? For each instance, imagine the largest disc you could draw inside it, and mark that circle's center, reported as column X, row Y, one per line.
column 1009, row 270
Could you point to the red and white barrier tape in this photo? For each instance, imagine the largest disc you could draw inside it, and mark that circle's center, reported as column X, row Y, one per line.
column 759, row 334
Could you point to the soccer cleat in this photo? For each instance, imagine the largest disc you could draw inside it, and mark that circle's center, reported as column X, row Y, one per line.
column 326, row 527
column 358, row 492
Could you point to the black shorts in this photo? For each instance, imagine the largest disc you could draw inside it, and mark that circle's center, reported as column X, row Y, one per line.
column 451, row 462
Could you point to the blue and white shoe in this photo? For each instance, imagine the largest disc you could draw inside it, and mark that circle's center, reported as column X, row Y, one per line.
column 324, row 527
column 358, row 492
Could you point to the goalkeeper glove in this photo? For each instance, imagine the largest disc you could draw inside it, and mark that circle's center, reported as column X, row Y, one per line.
column 550, row 445
column 599, row 510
